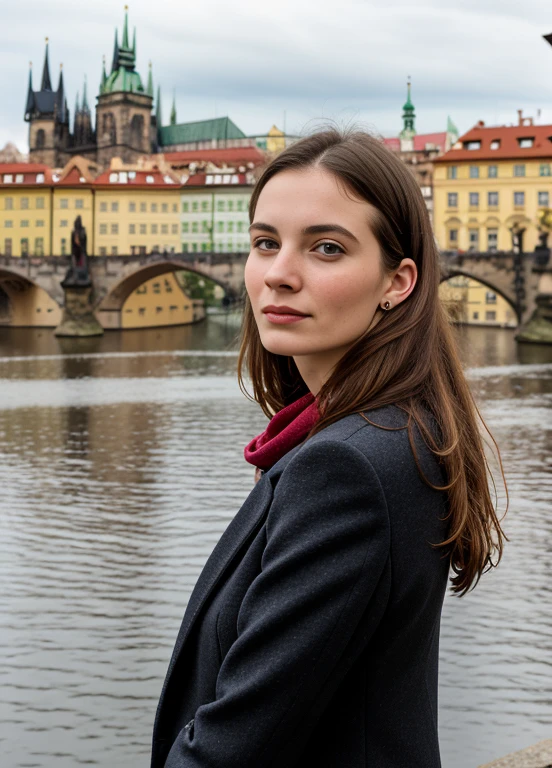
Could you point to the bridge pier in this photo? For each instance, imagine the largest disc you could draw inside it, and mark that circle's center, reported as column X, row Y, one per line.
column 78, row 318
column 538, row 329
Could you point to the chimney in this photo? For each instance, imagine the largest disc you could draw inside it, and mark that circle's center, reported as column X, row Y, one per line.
column 520, row 116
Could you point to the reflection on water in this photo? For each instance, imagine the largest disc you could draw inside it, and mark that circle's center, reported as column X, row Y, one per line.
column 120, row 466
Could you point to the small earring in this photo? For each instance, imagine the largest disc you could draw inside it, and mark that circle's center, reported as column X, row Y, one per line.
column 387, row 305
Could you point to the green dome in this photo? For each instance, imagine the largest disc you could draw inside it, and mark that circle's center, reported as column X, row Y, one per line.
column 123, row 80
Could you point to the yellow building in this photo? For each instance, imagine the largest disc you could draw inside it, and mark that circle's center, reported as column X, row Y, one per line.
column 469, row 302
column 72, row 196
column 493, row 179
column 25, row 209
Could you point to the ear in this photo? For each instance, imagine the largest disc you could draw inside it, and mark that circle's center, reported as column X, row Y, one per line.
column 402, row 284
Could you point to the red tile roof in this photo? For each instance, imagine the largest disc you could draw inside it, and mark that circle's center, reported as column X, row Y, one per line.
column 138, row 178
column 72, row 179
column 225, row 179
column 509, row 145
column 421, row 140
column 233, row 156
column 29, row 171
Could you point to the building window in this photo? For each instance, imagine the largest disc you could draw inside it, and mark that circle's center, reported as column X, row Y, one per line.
column 174, row 229
column 164, row 208
column 240, row 226
column 220, row 226
column 490, row 297
column 114, row 250
column 103, row 251
column 143, row 229
column 24, row 222
column 154, row 229
column 65, row 223
column 143, row 207
column 184, row 247
column 8, row 223
column 195, row 226
column 475, row 316
column 64, row 203
column 220, row 205
column 492, row 239
column 114, row 229
column 195, row 205
column 185, row 226
column 8, row 204
column 519, row 199
column 230, row 205
column 194, row 247
column 24, row 203
column 103, row 207
column 39, row 222
column 103, row 229
column 40, row 203
column 474, row 239
column 204, row 226
column 495, row 144
column 474, row 171
column 8, row 178
column 543, row 199
column 175, row 208
column 132, row 207
column 519, row 170
column 204, row 247
column 185, row 206
column 492, row 171
column 472, row 145
column 453, row 236
column 492, row 199
column 490, row 315
column 230, row 226
column 474, row 199
column 24, row 246
column 239, row 204
column 154, row 207
column 544, row 169
column 526, row 143
column 164, row 229
column 64, row 246
column 115, row 206
column 132, row 229
column 204, row 205
column 452, row 199
column 7, row 246
column 79, row 203
column 39, row 246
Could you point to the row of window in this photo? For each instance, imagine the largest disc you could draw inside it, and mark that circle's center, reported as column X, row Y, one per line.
column 23, row 203
column 241, row 247
column 543, row 199
column 143, row 206
column 19, row 178
column 24, row 223
column 222, row 205
column 492, row 171
column 473, row 237
column 24, row 246
column 524, row 142
column 142, row 229
column 221, row 226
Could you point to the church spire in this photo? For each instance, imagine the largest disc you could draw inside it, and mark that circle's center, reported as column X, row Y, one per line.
column 158, row 114
column 85, row 107
column 150, row 82
column 115, row 63
column 30, row 95
column 46, row 84
column 124, row 44
column 409, row 115
column 104, row 76
column 173, row 110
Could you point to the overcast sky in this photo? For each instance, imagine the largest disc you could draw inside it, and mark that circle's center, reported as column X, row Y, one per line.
column 255, row 60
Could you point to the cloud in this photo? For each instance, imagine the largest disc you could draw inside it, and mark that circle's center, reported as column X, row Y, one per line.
column 309, row 58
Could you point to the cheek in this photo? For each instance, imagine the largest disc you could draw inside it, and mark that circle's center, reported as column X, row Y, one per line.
column 253, row 276
column 351, row 294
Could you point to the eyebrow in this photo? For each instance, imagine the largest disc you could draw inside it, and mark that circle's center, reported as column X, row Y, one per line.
column 314, row 229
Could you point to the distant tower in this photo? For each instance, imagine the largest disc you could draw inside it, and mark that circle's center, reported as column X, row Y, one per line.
column 173, row 110
column 409, row 116
column 83, row 132
column 123, row 113
column 48, row 117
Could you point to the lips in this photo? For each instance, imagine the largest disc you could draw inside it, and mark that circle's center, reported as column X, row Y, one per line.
column 273, row 310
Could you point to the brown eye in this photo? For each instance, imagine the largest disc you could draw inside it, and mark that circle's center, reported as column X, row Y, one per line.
column 265, row 240
column 330, row 249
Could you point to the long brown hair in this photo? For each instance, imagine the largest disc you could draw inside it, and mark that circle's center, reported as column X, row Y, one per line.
column 408, row 358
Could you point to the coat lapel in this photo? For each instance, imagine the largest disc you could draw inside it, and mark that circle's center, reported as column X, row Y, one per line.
column 241, row 527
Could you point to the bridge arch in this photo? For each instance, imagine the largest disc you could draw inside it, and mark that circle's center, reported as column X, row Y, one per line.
column 114, row 310
column 24, row 303
column 459, row 272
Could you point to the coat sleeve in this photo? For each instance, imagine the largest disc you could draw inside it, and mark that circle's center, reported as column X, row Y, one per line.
column 327, row 546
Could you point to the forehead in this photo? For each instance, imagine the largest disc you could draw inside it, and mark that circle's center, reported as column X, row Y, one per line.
column 310, row 193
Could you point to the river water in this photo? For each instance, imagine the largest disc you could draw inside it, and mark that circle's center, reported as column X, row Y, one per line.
column 121, row 464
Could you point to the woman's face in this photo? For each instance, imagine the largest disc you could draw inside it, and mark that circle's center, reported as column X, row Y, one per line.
column 313, row 252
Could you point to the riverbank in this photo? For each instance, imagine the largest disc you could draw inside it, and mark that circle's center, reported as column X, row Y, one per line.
column 537, row 756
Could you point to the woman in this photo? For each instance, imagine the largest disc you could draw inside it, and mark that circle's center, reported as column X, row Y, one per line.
column 311, row 638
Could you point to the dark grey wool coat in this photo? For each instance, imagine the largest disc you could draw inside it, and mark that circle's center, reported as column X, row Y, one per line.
column 311, row 639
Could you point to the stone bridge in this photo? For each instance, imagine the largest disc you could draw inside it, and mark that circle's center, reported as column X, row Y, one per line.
column 510, row 275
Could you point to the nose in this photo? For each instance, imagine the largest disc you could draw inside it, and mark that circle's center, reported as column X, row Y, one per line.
column 284, row 272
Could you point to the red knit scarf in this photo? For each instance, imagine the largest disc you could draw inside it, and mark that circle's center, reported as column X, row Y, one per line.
column 285, row 430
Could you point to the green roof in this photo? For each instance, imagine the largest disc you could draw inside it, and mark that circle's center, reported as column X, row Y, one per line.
column 123, row 76
column 201, row 130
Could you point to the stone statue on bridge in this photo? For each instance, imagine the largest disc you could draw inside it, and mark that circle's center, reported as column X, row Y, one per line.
column 78, row 273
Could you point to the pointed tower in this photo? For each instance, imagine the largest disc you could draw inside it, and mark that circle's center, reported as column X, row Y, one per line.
column 173, row 110
column 104, row 76
column 124, row 111
column 48, row 118
column 409, row 117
